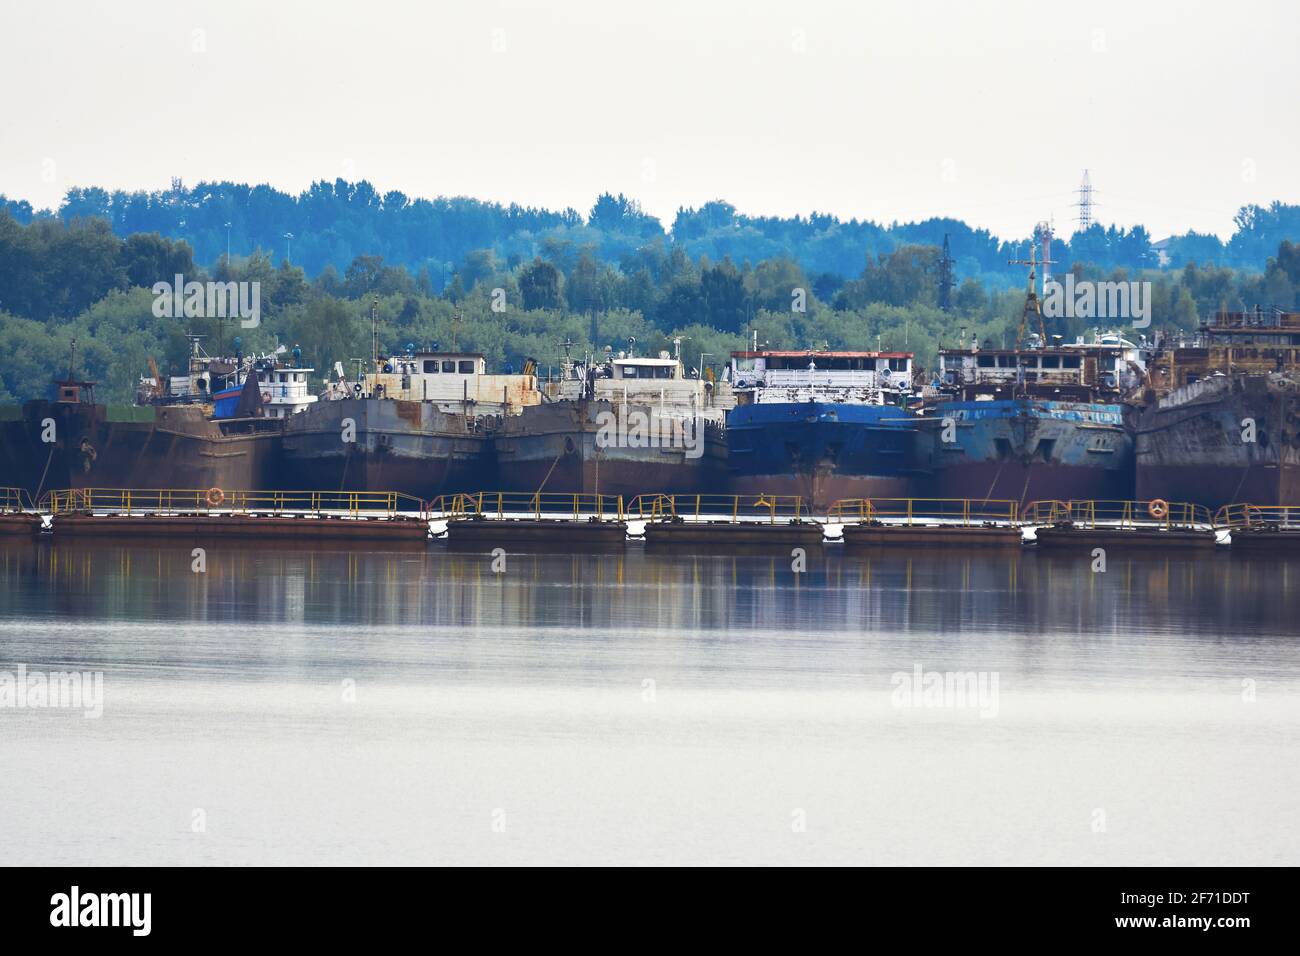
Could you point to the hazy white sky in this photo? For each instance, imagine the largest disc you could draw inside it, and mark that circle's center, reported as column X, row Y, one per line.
column 988, row 112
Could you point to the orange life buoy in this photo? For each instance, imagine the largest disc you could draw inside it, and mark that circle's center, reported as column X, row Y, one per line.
column 266, row 397
column 1158, row 508
column 215, row 496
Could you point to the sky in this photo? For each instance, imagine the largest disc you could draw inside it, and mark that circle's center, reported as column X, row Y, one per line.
column 988, row 112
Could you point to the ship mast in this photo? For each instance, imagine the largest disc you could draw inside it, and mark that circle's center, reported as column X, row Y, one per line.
column 374, row 334
column 1032, row 305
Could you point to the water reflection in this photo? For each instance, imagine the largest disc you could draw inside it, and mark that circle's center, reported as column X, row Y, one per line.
column 1211, row 599
column 527, row 690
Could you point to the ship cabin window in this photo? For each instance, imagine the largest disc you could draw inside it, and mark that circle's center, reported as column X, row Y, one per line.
column 467, row 367
column 448, row 366
column 898, row 365
column 646, row 371
column 1004, row 361
column 1071, row 361
column 985, row 361
column 430, row 366
column 1051, row 361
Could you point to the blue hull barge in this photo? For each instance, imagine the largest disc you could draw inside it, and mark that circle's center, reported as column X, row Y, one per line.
column 1025, row 449
column 823, row 426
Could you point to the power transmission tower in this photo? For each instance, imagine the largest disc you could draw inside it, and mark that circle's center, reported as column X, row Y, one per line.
column 1085, row 203
column 946, row 279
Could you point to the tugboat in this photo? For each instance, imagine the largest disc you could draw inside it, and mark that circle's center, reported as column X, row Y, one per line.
column 823, row 425
column 1227, row 427
column 626, row 425
column 1040, row 421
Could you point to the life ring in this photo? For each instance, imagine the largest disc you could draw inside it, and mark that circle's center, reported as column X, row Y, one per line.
column 214, row 497
column 266, row 398
column 1158, row 508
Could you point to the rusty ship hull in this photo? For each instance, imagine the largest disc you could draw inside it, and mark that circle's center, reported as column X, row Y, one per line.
column 109, row 446
column 1028, row 449
column 27, row 460
column 369, row 444
column 1223, row 440
column 559, row 448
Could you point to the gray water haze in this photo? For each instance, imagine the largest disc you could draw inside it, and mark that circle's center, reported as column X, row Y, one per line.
column 332, row 707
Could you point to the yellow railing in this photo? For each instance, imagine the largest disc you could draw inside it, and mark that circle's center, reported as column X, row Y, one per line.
column 1118, row 514
column 133, row 501
column 909, row 511
column 1237, row 516
column 729, row 508
column 545, row 506
column 1045, row 513
column 14, row 500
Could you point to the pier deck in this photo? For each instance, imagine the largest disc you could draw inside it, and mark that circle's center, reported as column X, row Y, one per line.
column 18, row 515
column 926, row 523
column 727, row 523
column 198, row 513
column 531, row 522
column 1261, row 529
column 1143, row 525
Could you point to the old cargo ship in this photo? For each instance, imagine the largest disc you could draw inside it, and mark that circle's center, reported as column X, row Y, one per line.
column 1040, row 421
column 626, row 425
column 1223, row 422
column 823, row 425
column 420, row 423
column 207, row 428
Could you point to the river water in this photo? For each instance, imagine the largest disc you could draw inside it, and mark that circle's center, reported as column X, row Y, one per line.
column 326, row 706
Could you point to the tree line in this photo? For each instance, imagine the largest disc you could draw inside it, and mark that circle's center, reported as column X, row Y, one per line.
column 331, row 224
column 64, row 280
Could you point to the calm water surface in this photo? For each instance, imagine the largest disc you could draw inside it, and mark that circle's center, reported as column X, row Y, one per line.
column 326, row 706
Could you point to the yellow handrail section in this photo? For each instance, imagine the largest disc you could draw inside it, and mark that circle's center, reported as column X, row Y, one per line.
column 1118, row 514
column 1267, row 517
column 142, row 501
column 15, row 500
column 522, row 504
column 914, row 511
column 1045, row 512
column 731, row 509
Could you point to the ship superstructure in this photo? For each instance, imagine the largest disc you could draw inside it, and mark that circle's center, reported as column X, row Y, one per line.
column 624, row 425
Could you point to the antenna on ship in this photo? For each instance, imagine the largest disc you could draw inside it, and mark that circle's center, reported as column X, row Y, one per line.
column 567, row 363
column 374, row 333
column 1043, row 233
